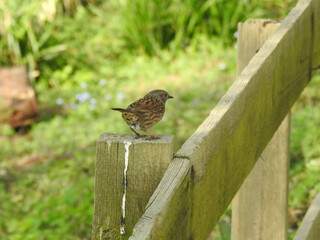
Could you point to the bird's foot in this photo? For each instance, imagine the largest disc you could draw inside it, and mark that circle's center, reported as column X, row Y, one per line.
column 152, row 138
column 140, row 136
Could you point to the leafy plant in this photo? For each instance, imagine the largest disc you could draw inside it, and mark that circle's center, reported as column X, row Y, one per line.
column 149, row 26
column 26, row 36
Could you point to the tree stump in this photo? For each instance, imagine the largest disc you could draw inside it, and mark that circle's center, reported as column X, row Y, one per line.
column 18, row 104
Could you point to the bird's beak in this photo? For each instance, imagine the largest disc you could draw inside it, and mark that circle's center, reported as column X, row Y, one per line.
column 170, row 96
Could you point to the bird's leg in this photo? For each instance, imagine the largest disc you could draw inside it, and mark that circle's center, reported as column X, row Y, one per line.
column 137, row 134
column 151, row 136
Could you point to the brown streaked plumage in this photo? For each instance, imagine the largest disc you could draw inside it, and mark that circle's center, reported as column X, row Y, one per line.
column 145, row 112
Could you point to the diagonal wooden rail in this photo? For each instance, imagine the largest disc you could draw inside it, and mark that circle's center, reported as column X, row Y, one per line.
column 210, row 167
column 310, row 226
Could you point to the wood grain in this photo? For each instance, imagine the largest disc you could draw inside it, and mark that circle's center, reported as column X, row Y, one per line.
column 259, row 210
column 148, row 160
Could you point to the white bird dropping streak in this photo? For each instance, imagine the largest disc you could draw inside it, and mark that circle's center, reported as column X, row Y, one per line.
column 126, row 163
column 100, row 233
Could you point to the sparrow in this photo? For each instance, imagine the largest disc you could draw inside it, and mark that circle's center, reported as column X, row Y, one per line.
column 145, row 112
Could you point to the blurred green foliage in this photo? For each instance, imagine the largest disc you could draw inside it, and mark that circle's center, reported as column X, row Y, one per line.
column 50, row 34
column 26, row 33
column 87, row 56
column 150, row 26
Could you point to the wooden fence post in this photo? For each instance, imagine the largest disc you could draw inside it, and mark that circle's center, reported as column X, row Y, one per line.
column 259, row 209
column 128, row 171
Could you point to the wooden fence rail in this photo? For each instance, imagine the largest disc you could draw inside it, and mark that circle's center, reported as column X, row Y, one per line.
column 208, row 170
column 310, row 226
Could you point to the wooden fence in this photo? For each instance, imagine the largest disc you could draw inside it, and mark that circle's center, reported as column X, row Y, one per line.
column 247, row 130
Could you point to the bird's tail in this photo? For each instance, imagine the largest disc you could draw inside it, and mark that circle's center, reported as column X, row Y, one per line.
column 119, row 109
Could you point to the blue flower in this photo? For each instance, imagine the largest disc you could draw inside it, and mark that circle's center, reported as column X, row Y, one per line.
column 223, row 66
column 107, row 97
column 103, row 82
column 74, row 105
column 120, row 96
column 93, row 101
column 59, row 101
column 82, row 97
column 83, row 85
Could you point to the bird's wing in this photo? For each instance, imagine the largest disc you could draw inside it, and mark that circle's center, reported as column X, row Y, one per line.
column 146, row 104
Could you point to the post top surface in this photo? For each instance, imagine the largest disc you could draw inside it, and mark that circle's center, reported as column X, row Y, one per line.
column 121, row 137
